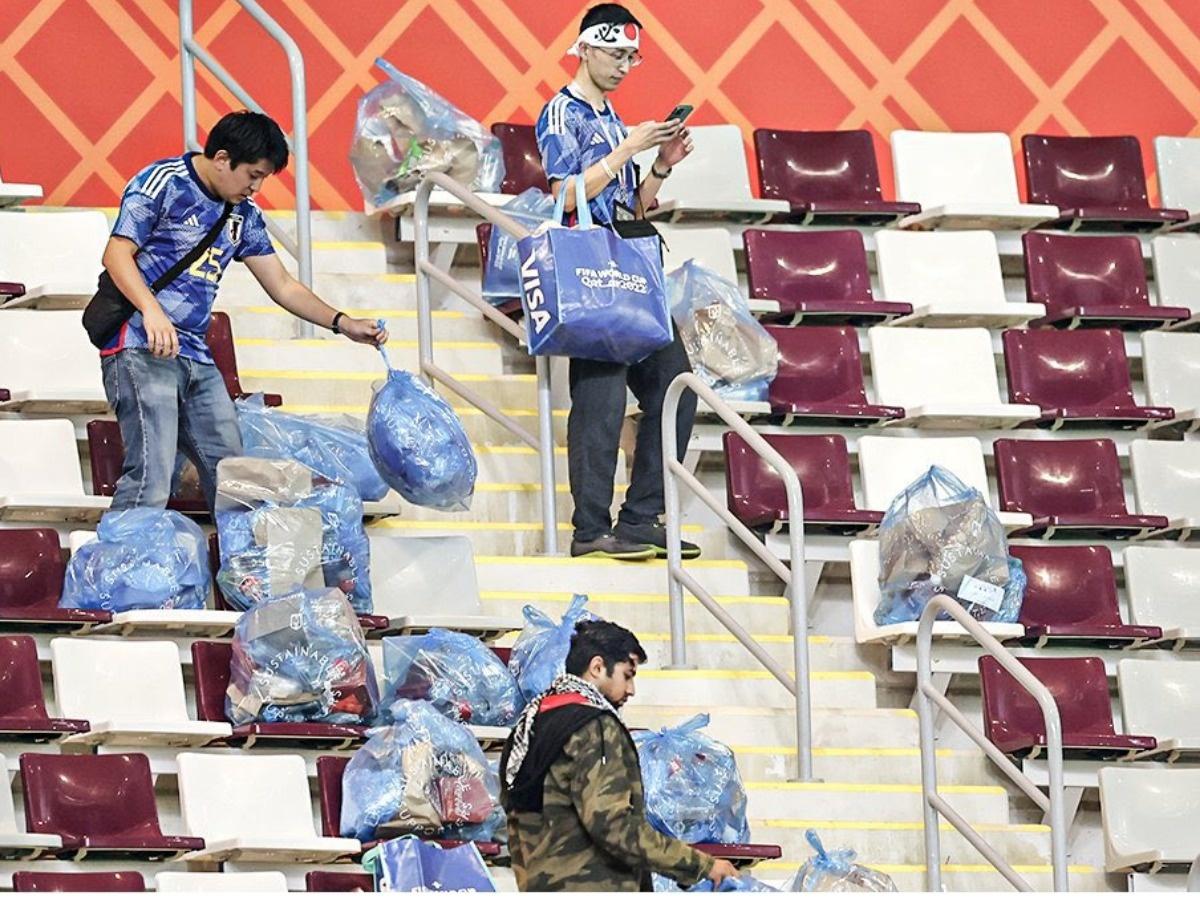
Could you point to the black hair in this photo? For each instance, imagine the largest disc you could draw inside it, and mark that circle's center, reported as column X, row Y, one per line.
column 607, row 14
column 248, row 137
column 608, row 640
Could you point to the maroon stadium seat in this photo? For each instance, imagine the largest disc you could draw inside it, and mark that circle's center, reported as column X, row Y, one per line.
column 820, row 378
column 31, row 581
column 757, row 495
column 1096, row 182
column 78, row 882
column 1068, row 486
column 1076, row 377
column 338, row 882
column 11, row 290
column 1071, row 595
column 220, row 343
column 99, row 805
column 815, row 275
column 1094, row 282
column 522, row 159
column 22, row 704
column 825, row 176
column 742, row 855
column 210, row 667
column 1012, row 719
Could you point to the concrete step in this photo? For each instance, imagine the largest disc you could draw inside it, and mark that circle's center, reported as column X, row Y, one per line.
column 981, row 878
column 480, row 428
column 901, row 765
column 392, row 290
column 584, row 576
column 271, row 321
column 762, row 727
column 721, row 650
column 752, row 687
column 345, row 257
column 349, row 388
column 335, row 224
column 887, row 802
column 266, row 364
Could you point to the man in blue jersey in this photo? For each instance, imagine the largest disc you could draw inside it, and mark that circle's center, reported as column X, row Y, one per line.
column 158, row 373
column 579, row 134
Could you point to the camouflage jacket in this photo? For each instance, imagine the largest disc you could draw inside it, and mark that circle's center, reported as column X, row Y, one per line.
column 592, row 833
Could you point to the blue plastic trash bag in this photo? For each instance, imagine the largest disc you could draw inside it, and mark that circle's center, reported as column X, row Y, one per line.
column 457, row 673
column 941, row 537
column 837, row 872
column 405, row 131
column 282, row 528
column 408, row 864
column 423, row 774
column 334, row 447
column 502, row 275
column 539, row 654
column 756, row 391
column 693, row 789
column 743, row 883
column 141, row 559
column 301, row 658
column 418, row 444
column 726, row 345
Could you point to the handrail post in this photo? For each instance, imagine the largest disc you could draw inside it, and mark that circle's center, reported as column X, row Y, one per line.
column 188, row 73
column 674, row 524
column 545, row 411
column 929, row 778
column 421, row 258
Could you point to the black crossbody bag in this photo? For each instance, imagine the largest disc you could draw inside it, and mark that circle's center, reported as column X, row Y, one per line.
column 109, row 309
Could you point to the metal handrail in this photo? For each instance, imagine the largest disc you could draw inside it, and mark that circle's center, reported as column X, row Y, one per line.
column 1050, row 802
column 190, row 51
column 431, row 371
column 797, row 684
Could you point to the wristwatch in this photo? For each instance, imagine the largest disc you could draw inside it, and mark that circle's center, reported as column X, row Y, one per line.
column 337, row 317
column 661, row 176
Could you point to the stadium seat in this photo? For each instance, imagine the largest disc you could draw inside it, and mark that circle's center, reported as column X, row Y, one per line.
column 864, row 583
column 106, row 457
column 1071, row 596
column 1162, row 697
column 1098, row 183
column 820, row 379
column 756, row 493
column 1071, row 488
column 31, row 581
column 253, row 808
column 23, row 715
column 814, row 276
column 1171, row 370
column 1092, row 282
column 40, row 475
column 210, row 667
column 1162, row 583
column 338, row 882
column 407, row 571
column 99, row 805
column 825, row 177
column 943, row 378
column 10, row 291
column 1012, row 719
column 1177, row 277
column 78, row 882
column 952, row 279
column 56, row 256
column 12, row 193
column 1149, row 817
column 713, row 183
column 1177, row 160
column 1075, row 378
column 220, row 343
column 1166, row 482
column 962, row 180
column 47, row 364
column 130, row 691
column 221, row 882
column 522, row 159
column 14, row 843
column 890, row 464
column 709, row 247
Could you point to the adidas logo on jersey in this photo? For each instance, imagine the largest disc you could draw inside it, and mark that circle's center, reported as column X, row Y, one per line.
column 597, row 139
column 192, row 222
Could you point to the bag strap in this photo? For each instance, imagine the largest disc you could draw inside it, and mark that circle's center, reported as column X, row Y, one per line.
column 582, row 210
column 194, row 254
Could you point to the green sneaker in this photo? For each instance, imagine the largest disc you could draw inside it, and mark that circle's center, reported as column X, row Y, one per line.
column 608, row 546
column 654, row 534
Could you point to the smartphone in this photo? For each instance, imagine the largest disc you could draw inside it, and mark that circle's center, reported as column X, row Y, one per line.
column 681, row 112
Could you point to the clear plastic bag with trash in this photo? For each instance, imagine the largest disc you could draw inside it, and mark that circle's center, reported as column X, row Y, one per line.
column 837, row 872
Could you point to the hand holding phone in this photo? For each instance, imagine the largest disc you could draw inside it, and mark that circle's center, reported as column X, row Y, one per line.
column 680, row 113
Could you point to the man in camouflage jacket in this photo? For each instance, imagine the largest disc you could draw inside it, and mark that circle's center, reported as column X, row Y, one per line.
column 572, row 785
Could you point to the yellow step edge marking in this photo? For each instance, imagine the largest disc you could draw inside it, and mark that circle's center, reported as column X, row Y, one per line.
column 358, row 409
column 851, row 788
column 323, row 342
column 606, row 563
column 893, row 826
column 661, row 599
column 730, row 639
column 468, row 525
column 338, row 245
column 359, row 313
column 845, row 751
column 744, row 675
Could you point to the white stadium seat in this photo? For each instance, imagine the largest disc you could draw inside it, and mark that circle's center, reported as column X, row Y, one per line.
column 1163, row 584
column 1178, row 163
column 709, row 247
column 942, row 377
column 130, row 691
column 1171, row 368
column 1161, row 697
column 12, row 193
column 55, row 255
column 951, row 279
column 962, row 180
column 1177, row 276
column 221, row 882
column 253, row 808
column 1151, row 817
column 40, row 475
column 14, row 843
column 1166, row 482
column 47, row 364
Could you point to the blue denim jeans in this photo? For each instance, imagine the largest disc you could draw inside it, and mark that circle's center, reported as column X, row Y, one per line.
column 164, row 406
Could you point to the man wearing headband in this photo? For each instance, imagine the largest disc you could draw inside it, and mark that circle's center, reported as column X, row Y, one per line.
column 580, row 134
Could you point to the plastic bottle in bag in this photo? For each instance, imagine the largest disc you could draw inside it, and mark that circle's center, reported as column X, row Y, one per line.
column 539, row 654
column 837, row 872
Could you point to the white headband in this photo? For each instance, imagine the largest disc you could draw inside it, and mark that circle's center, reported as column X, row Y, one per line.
column 608, row 35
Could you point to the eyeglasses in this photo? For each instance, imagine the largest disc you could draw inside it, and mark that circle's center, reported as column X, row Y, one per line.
column 632, row 58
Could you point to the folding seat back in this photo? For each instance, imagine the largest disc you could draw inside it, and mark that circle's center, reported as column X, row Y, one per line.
column 940, row 269
column 119, row 681
column 814, row 166
column 1066, row 272
column 1068, row 586
column 1163, row 584
column 1149, row 816
column 210, row 674
column 936, row 168
column 407, row 573
column 716, row 170
column 39, row 456
column 818, row 365
column 1161, row 697
column 329, row 788
column 31, row 570
column 78, row 882
column 1178, row 164
column 709, row 247
column 1065, row 370
column 1053, row 478
column 58, row 248
column 756, row 492
column 47, row 351
column 918, row 366
column 522, row 159
column 1166, row 478
column 1177, row 270
column 221, row 882
column 1084, row 171
column 338, row 882
column 821, row 266
column 21, row 695
column 891, row 464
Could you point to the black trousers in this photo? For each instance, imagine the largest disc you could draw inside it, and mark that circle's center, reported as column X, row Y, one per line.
column 594, row 436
